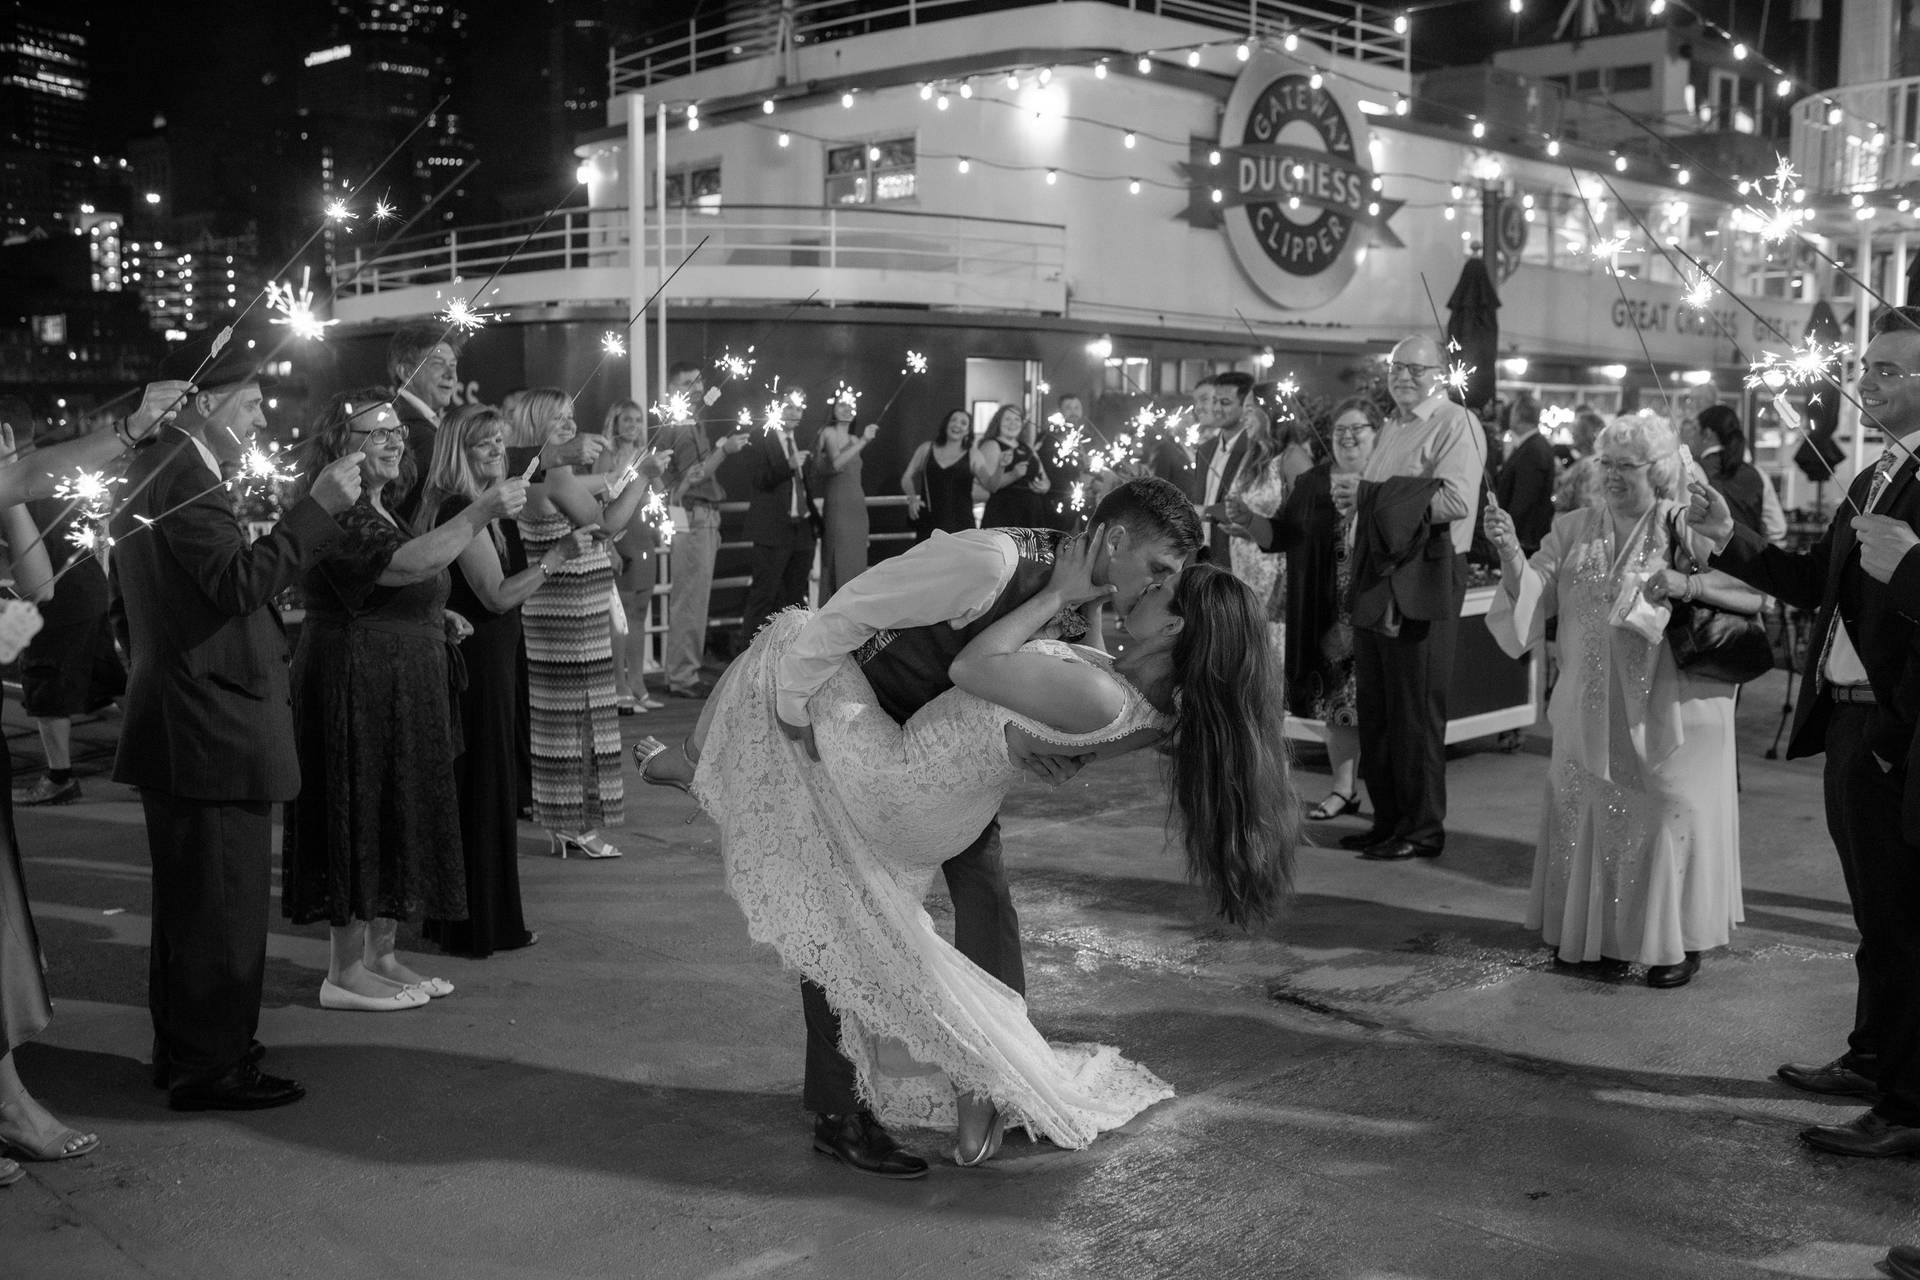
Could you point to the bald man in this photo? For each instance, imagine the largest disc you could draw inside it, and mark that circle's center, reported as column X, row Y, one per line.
column 1401, row 673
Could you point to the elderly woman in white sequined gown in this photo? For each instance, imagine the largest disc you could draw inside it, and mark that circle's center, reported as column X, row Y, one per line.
column 1639, row 855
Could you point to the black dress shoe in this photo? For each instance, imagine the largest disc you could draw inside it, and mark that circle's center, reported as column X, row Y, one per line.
column 1394, row 849
column 1664, row 976
column 245, row 1088
column 857, row 1141
column 162, row 1073
column 1903, row 1262
column 1835, row 1078
column 1867, row 1135
column 1364, row 839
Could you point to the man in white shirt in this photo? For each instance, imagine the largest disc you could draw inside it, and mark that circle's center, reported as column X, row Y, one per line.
column 424, row 370
column 1860, row 704
column 1400, row 679
column 905, row 620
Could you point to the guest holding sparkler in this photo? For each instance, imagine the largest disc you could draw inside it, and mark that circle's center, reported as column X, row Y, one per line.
column 1060, row 443
column 1524, row 486
column 693, row 465
column 1009, row 470
column 423, row 364
column 491, row 580
column 843, row 499
column 1222, row 454
column 938, row 480
column 635, row 576
column 208, row 738
column 577, row 783
column 374, row 835
column 781, row 520
column 1316, row 533
column 1720, row 447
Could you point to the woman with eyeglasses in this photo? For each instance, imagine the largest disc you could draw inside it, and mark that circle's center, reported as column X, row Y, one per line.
column 1639, row 853
column 1315, row 532
column 374, row 835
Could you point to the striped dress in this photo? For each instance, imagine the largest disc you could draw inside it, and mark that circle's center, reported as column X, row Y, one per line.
column 577, row 781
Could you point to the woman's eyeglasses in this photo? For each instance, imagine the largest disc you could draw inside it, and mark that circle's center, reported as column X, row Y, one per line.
column 1617, row 466
column 1352, row 434
column 380, row 435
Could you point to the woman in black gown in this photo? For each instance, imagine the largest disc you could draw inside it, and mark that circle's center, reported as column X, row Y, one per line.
column 1009, row 470
column 939, row 479
column 490, row 581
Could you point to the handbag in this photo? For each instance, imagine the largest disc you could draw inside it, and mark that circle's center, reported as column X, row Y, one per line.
column 1710, row 643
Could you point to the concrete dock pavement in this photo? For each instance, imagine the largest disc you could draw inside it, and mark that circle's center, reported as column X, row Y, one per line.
column 1390, row 1084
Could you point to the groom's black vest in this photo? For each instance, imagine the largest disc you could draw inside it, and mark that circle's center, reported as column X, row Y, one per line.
column 908, row 668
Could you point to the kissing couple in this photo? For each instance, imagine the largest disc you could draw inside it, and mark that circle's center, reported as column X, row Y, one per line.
column 852, row 752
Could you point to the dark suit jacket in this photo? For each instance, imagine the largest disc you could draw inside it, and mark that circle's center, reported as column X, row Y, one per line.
column 768, row 474
column 1880, row 618
column 1217, row 538
column 420, row 436
column 1525, row 490
column 1401, row 557
column 207, row 709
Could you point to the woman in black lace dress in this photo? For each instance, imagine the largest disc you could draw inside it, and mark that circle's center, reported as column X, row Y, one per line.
column 374, row 835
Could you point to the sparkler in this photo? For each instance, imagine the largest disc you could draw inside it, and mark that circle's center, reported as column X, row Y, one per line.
column 382, row 210
column 1457, row 375
column 735, row 366
column 337, row 211
column 460, row 314
column 675, row 408
column 612, row 345
column 1802, row 367
column 297, row 306
column 655, row 513
column 1699, row 293
column 916, row 364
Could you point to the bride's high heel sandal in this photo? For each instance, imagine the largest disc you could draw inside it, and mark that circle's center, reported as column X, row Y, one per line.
column 647, row 750
column 996, row 1129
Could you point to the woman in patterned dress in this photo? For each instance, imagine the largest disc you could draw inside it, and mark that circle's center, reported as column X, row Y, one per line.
column 577, row 782
column 1261, row 486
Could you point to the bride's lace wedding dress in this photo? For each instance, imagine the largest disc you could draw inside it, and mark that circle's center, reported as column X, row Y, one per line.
column 829, row 862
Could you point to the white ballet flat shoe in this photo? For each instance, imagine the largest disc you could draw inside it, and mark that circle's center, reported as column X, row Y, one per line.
column 433, row 987
column 333, row 997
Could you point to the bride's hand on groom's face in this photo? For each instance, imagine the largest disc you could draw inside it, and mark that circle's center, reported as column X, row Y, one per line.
column 1054, row 769
column 1073, row 569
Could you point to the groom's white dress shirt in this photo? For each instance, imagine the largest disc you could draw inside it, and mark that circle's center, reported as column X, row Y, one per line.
column 951, row 577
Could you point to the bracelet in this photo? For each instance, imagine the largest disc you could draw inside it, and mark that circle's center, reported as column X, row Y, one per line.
column 1693, row 586
column 541, row 565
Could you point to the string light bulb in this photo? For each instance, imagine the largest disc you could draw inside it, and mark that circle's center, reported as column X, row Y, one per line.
column 1145, row 64
column 693, row 111
column 1046, row 76
column 1193, row 57
column 1619, row 164
column 1515, row 6
column 786, row 139
column 1013, row 79
column 1218, row 195
column 1553, row 146
column 846, row 99
column 1291, row 43
column 1100, row 69
column 1834, row 113
column 1133, row 186
column 1213, row 158
column 1242, row 52
column 1657, row 8
column 1400, row 104
column 1400, row 24
column 966, row 89
column 1740, row 52
column 941, row 102
column 1683, row 177
column 1315, row 80
column 1784, row 88
column 1130, row 141
column 1479, row 129
column 965, row 165
column 1053, row 176
column 766, row 107
column 926, row 92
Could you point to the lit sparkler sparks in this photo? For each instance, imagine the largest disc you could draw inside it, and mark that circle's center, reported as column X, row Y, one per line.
column 735, row 366
column 90, row 538
column 1801, row 367
column 1287, row 386
column 1077, row 500
column 843, row 394
column 92, row 491
column 1609, row 250
column 382, row 210
column 655, row 513
column 257, row 466
column 1699, row 294
column 745, row 419
column 917, row 363
column 1457, row 374
column 297, row 306
column 612, row 344
column 675, row 408
column 1071, row 443
column 337, row 211
column 461, row 314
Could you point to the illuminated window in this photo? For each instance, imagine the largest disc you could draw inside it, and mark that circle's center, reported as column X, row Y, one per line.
column 697, row 189
column 873, row 172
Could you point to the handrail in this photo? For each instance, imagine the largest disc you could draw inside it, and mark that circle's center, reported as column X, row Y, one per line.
column 1366, row 34
column 1874, row 141
column 744, row 236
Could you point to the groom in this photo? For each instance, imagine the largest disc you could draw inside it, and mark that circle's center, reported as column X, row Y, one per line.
column 905, row 620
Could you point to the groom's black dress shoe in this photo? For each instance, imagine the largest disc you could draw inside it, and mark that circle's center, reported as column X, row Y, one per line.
column 1394, row 849
column 1364, row 839
column 1835, row 1078
column 245, row 1088
column 857, row 1141
column 1663, row 977
column 162, row 1072
column 1903, row 1262
column 1867, row 1135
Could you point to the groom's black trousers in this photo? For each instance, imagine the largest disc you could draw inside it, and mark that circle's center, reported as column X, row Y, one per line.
column 985, row 930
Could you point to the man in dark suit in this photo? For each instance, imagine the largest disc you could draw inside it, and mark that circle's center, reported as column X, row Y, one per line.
column 208, row 733
column 423, row 367
column 1524, row 487
column 780, row 523
column 1860, row 704
column 1217, row 465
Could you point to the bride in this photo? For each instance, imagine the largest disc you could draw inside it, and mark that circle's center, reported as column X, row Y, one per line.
column 829, row 861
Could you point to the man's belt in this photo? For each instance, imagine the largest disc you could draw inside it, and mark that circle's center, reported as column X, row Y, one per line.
column 1860, row 695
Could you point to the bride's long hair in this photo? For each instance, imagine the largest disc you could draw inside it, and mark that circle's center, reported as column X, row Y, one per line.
column 1231, row 781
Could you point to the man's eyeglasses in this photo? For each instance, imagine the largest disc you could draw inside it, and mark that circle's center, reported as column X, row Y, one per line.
column 1414, row 371
column 1884, row 372
column 380, row 435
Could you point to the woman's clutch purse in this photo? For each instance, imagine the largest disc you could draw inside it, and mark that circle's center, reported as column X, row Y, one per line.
column 1632, row 611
